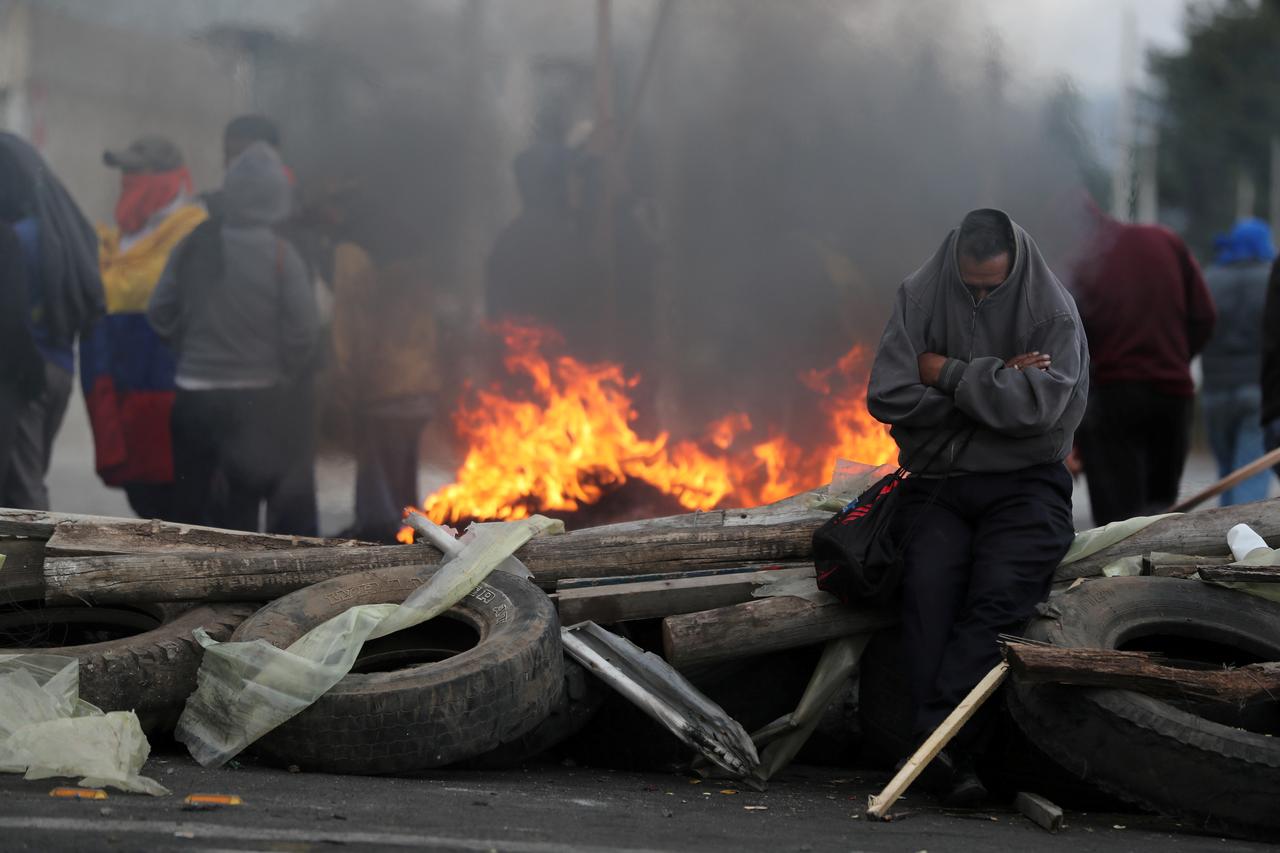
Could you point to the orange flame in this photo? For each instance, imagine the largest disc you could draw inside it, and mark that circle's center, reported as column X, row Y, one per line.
column 567, row 439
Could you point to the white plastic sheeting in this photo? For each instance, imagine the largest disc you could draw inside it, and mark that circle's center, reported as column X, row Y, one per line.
column 246, row 689
column 47, row 730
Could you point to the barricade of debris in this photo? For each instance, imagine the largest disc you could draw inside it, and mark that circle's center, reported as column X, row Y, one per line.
column 1157, row 687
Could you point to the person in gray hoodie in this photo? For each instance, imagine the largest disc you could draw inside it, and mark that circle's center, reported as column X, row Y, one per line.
column 237, row 305
column 982, row 375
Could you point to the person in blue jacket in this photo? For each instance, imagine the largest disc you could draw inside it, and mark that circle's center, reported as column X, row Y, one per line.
column 54, row 279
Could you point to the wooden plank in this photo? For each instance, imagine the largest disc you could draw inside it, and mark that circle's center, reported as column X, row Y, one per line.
column 777, row 533
column 878, row 805
column 666, row 597
column 1241, row 574
column 1201, row 532
column 760, row 626
column 586, row 583
column 215, row 575
column 1141, row 671
column 22, row 575
column 1162, row 565
column 140, row 533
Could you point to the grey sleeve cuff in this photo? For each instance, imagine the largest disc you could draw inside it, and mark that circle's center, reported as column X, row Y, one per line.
column 949, row 378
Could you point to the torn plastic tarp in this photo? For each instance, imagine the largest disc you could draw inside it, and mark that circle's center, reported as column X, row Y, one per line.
column 245, row 690
column 47, row 730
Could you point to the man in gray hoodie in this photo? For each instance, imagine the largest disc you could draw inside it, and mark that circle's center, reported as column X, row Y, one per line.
column 982, row 374
column 236, row 304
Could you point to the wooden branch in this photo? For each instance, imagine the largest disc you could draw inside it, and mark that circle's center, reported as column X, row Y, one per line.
column 1141, row 671
column 1202, row 532
column 778, row 533
column 677, row 594
column 760, row 626
column 1241, row 574
column 1257, row 466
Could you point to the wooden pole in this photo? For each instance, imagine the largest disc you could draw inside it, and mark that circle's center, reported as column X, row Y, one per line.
column 1235, row 478
column 878, row 805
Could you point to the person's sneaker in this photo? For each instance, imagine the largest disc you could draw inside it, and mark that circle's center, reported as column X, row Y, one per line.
column 966, row 788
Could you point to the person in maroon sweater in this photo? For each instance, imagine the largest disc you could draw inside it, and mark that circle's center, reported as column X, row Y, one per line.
column 1147, row 313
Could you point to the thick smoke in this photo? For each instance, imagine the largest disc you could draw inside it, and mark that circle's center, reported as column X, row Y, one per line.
column 790, row 164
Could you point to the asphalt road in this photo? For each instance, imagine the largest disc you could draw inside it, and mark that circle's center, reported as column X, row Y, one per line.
column 539, row 809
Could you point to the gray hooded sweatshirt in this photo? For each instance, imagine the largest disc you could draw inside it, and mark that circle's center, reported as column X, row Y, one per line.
column 235, row 300
column 1008, row 419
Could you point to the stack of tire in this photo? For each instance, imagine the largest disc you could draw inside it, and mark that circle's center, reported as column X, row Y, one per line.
column 486, row 683
column 1215, row 766
column 141, row 658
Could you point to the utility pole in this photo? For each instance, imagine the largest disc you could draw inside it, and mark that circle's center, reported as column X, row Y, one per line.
column 605, row 146
column 1122, row 171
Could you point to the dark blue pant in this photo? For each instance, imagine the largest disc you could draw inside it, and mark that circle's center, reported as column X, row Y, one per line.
column 979, row 552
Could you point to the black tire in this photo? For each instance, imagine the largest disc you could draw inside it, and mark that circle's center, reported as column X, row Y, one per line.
column 1170, row 757
column 416, row 715
column 1007, row 763
column 141, row 659
column 581, row 700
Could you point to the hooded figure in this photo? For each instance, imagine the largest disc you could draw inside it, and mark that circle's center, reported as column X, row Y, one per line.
column 53, row 293
column 126, row 371
column 982, row 375
column 1231, row 399
column 236, row 304
column 1147, row 313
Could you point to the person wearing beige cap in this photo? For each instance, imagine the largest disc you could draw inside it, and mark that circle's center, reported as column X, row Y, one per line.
column 126, row 371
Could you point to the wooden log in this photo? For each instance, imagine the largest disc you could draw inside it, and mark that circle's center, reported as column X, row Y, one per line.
column 215, row 575
column 96, row 534
column 22, row 575
column 1241, row 574
column 777, row 533
column 1141, row 671
column 654, row 599
column 1201, row 532
column 760, row 626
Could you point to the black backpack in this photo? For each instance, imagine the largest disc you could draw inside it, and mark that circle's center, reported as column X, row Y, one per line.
column 854, row 552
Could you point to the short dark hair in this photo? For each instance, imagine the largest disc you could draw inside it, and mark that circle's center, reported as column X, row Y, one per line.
column 253, row 128
column 984, row 234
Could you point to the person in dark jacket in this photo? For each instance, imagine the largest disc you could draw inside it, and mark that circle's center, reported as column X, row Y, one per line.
column 1271, row 363
column 236, row 305
column 1147, row 313
column 1232, row 395
column 56, row 263
column 982, row 375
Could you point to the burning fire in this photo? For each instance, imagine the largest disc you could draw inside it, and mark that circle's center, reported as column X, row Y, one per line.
column 567, row 439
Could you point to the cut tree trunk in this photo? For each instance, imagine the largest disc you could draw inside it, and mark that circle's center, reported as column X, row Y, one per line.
column 778, row 533
column 1141, row 671
column 761, row 626
column 1201, row 532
